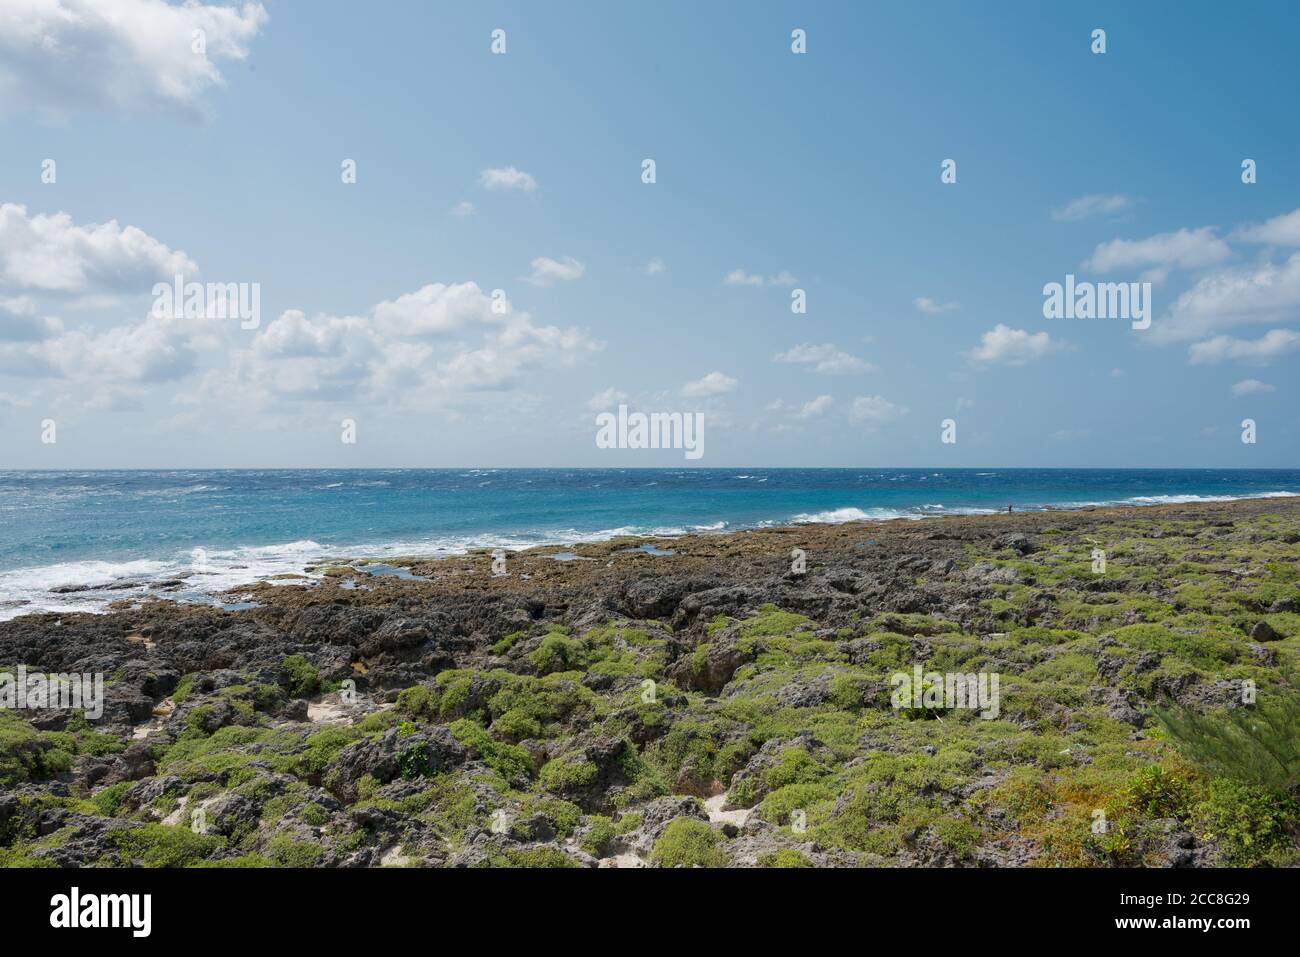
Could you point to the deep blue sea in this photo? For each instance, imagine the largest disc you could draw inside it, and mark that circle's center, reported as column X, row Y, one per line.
column 220, row 529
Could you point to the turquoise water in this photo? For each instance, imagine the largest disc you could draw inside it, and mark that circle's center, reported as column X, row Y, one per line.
column 218, row 529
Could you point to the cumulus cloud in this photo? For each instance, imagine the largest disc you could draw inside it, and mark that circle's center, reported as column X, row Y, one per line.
column 507, row 177
column 1013, row 347
column 1186, row 249
column 392, row 352
column 1257, row 293
column 715, row 383
column 654, row 267
column 826, row 359
column 933, row 306
column 1261, row 351
column 1251, row 387
column 816, row 407
column 874, row 411
column 62, row 56
column 1281, row 230
column 20, row 323
column 437, row 345
column 463, row 208
column 155, row 350
column 547, row 270
column 439, row 309
column 152, row 351
column 50, row 253
column 1097, row 204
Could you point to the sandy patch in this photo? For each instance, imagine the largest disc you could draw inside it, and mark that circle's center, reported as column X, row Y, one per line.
column 393, row 857
column 713, row 807
column 161, row 712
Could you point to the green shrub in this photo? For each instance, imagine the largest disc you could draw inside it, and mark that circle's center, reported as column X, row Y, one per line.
column 1248, row 821
column 1255, row 744
column 566, row 774
column 540, row 857
column 157, row 845
column 287, row 852
column 600, row 831
column 785, row 857
column 1158, row 791
column 689, row 842
column 302, row 680
column 508, row 760
column 557, row 653
column 109, row 800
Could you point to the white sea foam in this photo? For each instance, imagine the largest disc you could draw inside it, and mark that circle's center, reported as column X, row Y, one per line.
column 838, row 516
column 33, row 589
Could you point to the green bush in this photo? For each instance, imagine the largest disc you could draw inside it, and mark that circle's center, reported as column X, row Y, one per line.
column 302, row 680
column 157, row 845
column 557, row 653
column 508, row 760
column 785, row 857
column 689, row 842
column 1249, row 822
column 1256, row 744
column 287, row 852
column 540, row 857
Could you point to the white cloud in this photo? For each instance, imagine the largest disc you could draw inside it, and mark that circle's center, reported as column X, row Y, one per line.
column 606, row 400
column 463, row 208
column 816, row 407
column 155, row 350
column 1281, row 230
column 654, row 267
column 52, row 254
column 65, row 55
column 1261, row 351
column 547, row 271
column 932, row 306
column 386, row 358
column 1257, row 293
column 507, row 177
column 1186, row 248
column 1013, row 347
column 152, row 351
column 1097, row 204
column 438, row 310
column 874, row 411
column 1251, row 387
column 21, row 324
column 738, row 277
column 715, row 383
column 826, row 359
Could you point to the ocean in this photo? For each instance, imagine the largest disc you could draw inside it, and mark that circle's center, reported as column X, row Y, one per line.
column 75, row 541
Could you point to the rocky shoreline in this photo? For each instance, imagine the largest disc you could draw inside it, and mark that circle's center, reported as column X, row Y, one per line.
column 707, row 700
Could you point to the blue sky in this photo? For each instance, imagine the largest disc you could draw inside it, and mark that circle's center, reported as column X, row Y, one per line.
column 818, row 171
